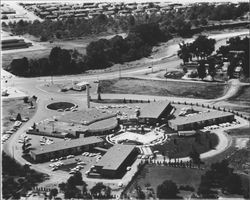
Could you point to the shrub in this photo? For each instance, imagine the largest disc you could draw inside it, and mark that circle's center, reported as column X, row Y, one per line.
column 26, row 99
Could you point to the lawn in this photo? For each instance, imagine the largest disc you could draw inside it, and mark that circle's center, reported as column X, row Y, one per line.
column 182, row 146
column 239, row 131
column 243, row 96
column 163, row 88
column 154, row 175
column 11, row 107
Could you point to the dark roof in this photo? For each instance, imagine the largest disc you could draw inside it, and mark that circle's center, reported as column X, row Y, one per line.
column 66, row 145
column 115, row 156
column 154, row 109
column 200, row 117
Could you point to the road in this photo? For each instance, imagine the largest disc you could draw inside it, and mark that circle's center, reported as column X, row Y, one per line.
column 31, row 87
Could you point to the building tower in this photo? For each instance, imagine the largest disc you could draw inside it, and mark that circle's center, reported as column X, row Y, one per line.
column 88, row 95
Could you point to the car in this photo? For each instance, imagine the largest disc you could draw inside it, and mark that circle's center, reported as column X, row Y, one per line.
column 25, row 119
column 86, row 153
column 28, row 164
column 9, row 132
column 17, row 123
column 67, row 109
column 12, row 119
column 70, row 156
column 60, row 110
column 87, row 172
column 54, row 168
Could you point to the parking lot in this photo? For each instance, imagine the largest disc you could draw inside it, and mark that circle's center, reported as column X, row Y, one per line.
column 71, row 164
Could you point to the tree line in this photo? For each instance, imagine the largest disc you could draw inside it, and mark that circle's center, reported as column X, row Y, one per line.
column 220, row 177
column 75, row 187
column 99, row 54
column 175, row 21
column 237, row 52
column 219, row 12
column 17, row 179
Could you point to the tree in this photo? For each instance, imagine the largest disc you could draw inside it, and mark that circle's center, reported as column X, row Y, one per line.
column 99, row 92
column 203, row 47
column 101, row 191
column 232, row 184
column 25, row 99
column 167, row 190
column 139, row 193
column 19, row 67
column 185, row 52
column 201, row 70
column 53, row 193
column 70, row 189
column 195, row 157
column 18, row 117
column 62, row 186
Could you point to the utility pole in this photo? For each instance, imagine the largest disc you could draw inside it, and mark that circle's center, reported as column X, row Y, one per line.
column 88, row 96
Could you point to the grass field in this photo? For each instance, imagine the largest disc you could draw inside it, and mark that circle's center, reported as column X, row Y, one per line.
column 155, row 175
column 243, row 97
column 182, row 146
column 11, row 107
column 239, row 131
column 163, row 88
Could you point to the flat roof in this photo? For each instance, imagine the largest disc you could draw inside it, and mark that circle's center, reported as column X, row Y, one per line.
column 199, row 117
column 66, row 145
column 115, row 156
column 89, row 116
column 153, row 109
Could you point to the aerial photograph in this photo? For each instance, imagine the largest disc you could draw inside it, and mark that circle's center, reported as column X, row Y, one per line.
column 126, row 99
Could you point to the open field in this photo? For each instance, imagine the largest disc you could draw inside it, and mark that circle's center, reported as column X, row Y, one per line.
column 155, row 175
column 11, row 108
column 162, row 88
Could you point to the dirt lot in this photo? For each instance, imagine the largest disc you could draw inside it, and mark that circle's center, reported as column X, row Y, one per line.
column 11, row 108
column 163, row 88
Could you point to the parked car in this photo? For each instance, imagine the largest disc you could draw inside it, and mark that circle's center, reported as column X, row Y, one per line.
column 25, row 119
